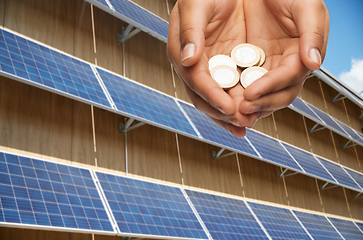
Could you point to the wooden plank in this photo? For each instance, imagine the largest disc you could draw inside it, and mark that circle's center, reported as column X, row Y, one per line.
column 202, row 171
column 312, row 93
column 2, row 12
column 303, row 192
column 291, row 129
column 29, row 234
column 35, row 120
column 157, row 7
column 110, row 142
column 347, row 156
column 50, row 22
column 355, row 206
column 260, row 181
column 334, row 201
column 354, row 112
column 152, row 152
column 267, row 126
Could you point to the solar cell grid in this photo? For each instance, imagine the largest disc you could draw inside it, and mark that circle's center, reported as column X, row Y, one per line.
column 45, row 194
column 347, row 228
column 358, row 177
column 300, row 105
column 352, row 133
column 359, row 225
column 318, row 226
column 280, row 223
column 151, row 209
column 147, row 104
column 309, row 163
column 270, row 149
column 339, row 174
column 226, row 218
column 144, row 19
column 33, row 63
column 210, row 131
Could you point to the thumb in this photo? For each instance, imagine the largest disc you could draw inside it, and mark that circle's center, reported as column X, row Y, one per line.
column 194, row 17
column 312, row 20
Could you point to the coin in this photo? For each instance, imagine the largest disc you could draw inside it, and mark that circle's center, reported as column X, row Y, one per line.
column 251, row 74
column 225, row 76
column 221, row 60
column 245, row 55
column 262, row 58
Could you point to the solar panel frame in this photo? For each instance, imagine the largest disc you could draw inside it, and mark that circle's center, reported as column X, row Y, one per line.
column 145, row 104
column 300, row 106
column 356, row 176
column 348, row 229
column 116, row 10
column 47, row 68
column 226, row 217
column 359, row 226
column 46, row 195
column 122, row 194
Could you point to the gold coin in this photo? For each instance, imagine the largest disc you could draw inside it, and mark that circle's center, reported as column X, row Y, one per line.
column 251, row 74
column 245, row 55
column 225, row 76
column 262, row 58
column 221, row 60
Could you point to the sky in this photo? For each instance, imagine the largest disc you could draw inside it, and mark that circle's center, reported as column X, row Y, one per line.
column 344, row 58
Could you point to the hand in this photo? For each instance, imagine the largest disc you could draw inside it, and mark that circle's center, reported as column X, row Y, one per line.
column 200, row 29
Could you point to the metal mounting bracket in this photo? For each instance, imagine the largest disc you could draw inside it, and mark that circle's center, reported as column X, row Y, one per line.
column 337, row 98
column 127, row 34
column 325, row 186
column 360, row 116
column 126, row 127
column 315, row 128
column 219, row 155
column 347, row 144
column 357, row 195
column 283, row 174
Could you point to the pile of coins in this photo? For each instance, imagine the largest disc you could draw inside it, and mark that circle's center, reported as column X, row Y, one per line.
column 248, row 57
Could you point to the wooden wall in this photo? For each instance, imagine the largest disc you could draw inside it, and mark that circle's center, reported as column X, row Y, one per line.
column 40, row 122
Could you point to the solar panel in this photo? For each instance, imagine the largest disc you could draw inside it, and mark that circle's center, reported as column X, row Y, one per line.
column 347, row 228
column 352, row 133
column 271, row 150
column 42, row 194
column 143, row 208
column 301, row 106
column 137, row 16
column 280, row 223
column 330, row 123
column 358, row 177
column 215, row 134
column 309, row 163
column 318, row 226
column 339, row 174
column 226, row 218
column 144, row 103
column 359, row 225
column 32, row 63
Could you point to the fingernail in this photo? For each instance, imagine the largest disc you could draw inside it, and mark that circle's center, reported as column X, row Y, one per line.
column 221, row 110
column 188, row 51
column 234, row 122
column 314, row 55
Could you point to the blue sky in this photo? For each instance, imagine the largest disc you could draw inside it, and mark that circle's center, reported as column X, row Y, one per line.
column 344, row 57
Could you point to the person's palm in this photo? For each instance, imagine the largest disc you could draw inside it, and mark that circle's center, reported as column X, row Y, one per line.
column 215, row 27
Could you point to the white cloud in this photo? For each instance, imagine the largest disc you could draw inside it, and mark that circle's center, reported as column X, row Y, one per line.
column 354, row 78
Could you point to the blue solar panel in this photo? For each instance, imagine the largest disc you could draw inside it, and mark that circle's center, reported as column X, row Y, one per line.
column 351, row 132
column 145, row 103
column 309, row 163
column 150, row 209
column 300, row 105
column 136, row 16
column 318, row 226
column 359, row 225
column 347, row 228
column 358, row 177
column 270, row 149
column 226, row 218
column 328, row 120
column 280, row 223
column 212, row 132
column 45, row 194
column 338, row 173
column 41, row 66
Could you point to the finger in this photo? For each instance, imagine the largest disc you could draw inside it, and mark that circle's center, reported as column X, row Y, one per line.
column 290, row 72
column 272, row 101
column 194, row 17
column 311, row 19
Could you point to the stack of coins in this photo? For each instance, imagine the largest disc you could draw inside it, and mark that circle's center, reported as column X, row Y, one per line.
column 248, row 57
